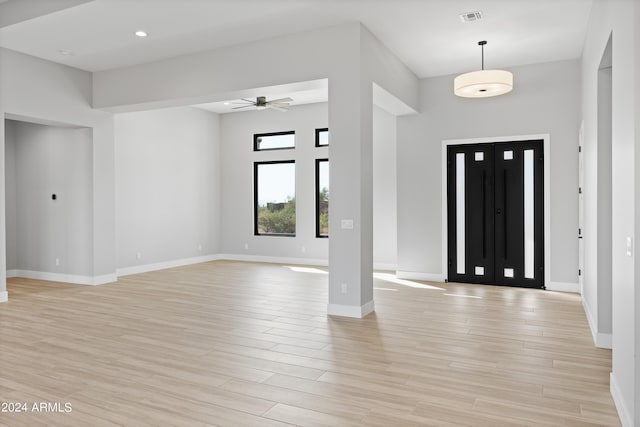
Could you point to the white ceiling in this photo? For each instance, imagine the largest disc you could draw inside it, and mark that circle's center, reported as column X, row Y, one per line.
column 427, row 35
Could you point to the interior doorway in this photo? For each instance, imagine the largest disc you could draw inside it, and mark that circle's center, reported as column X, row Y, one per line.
column 495, row 213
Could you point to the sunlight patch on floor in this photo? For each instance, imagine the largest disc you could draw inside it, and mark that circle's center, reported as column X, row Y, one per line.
column 306, row 269
column 387, row 277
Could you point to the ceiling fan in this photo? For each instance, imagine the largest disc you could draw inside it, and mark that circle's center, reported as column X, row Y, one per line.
column 261, row 103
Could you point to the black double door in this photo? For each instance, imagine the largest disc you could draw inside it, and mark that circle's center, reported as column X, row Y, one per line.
column 496, row 213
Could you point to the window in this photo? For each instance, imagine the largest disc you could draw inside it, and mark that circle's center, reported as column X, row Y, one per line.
column 322, row 137
column 275, row 198
column 274, row 141
column 322, row 197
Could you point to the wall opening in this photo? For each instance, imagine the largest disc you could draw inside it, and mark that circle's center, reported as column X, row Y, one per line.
column 604, row 191
column 48, row 201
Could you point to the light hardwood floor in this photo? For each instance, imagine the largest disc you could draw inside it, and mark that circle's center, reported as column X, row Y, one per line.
column 242, row 344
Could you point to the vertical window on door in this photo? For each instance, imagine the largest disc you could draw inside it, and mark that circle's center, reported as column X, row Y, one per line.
column 529, row 229
column 275, row 198
column 460, row 214
column 322, row 197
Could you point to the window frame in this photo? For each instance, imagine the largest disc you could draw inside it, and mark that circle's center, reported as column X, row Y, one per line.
column 258, row 135
column 318, row 131
column 256, row 165
column 317, row 197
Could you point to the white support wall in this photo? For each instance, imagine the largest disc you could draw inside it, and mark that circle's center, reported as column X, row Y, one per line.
column 616, row 19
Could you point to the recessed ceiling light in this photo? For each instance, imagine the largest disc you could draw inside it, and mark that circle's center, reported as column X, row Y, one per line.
column 227, row 103
column 65, row 52
column 141, row 33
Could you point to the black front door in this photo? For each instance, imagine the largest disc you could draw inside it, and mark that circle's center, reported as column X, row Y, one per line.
column 495, row 213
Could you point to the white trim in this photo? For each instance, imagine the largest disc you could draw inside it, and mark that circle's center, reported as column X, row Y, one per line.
column 104, row 279
column 357, row 312
column 590, row 320
column 600, row 340
column 416, row 275
column 604, row 340
column 547, row 192
column 616, row 394
column 137, row 269
column 4, row 296
column 382, row 266
column 12, row 273
column 64, row 278
column 273, row 259
column 563, row 287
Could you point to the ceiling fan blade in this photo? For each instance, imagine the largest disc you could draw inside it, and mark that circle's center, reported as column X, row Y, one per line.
column 277, row 107
column 243, row 106
column 244, row 103
column 280, row 100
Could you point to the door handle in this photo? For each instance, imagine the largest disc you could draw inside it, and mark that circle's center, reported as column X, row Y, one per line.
column 498, row 211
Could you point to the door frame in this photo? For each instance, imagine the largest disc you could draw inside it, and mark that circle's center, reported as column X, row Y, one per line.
column 547, row 195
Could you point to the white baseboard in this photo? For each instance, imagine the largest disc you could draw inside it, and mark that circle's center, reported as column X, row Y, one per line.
column 65, row 278
column 415, row 275
column 274, row 259
column 4, row 296
column 616, row 394
column 382, row 266
column 563, row 287
column 354, row 311
column 600, row 340
column 104, row 279
column 137, row 269
column 604, row 340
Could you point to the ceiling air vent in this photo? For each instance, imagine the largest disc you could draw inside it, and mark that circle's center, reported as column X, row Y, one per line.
column 471, row 16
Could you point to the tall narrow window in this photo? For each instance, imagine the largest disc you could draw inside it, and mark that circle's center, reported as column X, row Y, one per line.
column 275, row 198
column 529, row 231
column 460, row 214
column 322, row 197
column 322, row 137
column 274, row 141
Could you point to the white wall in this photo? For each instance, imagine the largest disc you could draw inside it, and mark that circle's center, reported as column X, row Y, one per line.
column 50, row 160
column 545, row 100
column 237, row 130
column 10, row 195
column 385, row 217
column 167, row 181
column 618, row 19
column 39, row 91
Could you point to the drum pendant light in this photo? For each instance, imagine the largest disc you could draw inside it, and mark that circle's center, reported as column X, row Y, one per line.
column 483, row 83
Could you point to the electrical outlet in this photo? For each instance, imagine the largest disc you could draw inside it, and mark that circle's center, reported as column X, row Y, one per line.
column 304, row 249
column 343, row 288
column 346, row 224
column 138, row 255
column 199, row 248
column 246, row 246
column 57, row 261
